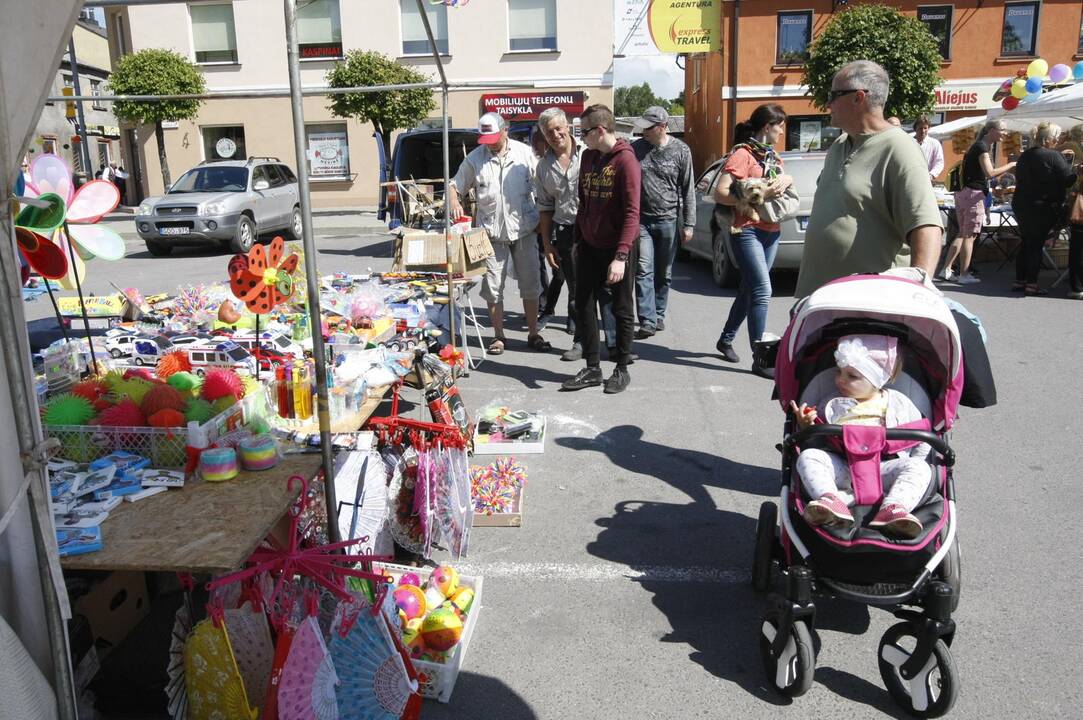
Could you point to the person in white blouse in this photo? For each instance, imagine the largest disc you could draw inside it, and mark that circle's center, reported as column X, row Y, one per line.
column 930, row 147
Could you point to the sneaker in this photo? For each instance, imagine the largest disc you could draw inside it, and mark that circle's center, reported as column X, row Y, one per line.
column 947, row 276
column 894, row 520
column 612, row 355
column 1075, row 296
column 618, row 381
column 575, row 352
column 585, row 378
column 727, row 351
column 763, row 372
column 645, row 332
column 543, row 320
column 828, row 509
column 968, row 279
column 660, row 325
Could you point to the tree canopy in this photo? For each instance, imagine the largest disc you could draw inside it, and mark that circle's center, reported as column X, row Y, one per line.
column 902, row 45
column 632, row 100
column 156, row 72
column 388, row 110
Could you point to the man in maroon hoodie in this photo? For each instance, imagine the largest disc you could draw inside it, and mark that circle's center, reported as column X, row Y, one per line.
column 606, row 230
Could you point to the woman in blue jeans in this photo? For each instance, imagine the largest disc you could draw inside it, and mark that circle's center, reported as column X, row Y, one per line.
column 755, row 245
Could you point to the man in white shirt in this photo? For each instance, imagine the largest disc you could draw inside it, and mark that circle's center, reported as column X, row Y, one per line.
column 930, row 148
column 501, row 172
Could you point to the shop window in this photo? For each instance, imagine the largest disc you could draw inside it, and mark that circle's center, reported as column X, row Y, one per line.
column 938, row 19
column 794, row 36
column 103, row 154
column 319, row 30
column 223, row 142
column 1020, row 34
column 96, row 91
column 213, row 34
column 48, row 145
column 327, row 151
column 532, row 25
column 414, row 39
column 809, row 132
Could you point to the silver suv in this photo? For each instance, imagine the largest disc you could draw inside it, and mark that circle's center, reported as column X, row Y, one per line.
column 230, row 202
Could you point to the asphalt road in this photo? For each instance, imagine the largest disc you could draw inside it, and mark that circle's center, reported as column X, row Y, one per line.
column 625, row 594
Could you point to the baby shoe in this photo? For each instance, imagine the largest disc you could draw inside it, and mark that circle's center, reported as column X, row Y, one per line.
column 828, row 509
column 894, row 520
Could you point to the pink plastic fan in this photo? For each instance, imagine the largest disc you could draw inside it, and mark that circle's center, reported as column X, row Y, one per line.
column 306, row 690
column 250, row 637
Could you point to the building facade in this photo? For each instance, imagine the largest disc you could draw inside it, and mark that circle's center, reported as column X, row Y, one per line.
column 765, row 42
column 56, row 133
column 563, row 47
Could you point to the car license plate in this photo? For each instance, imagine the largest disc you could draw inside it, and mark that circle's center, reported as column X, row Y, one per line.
column 802, row 223
column 174, row 231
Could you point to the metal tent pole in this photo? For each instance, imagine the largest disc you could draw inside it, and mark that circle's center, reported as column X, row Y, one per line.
column 84, row 151
column 311, row 274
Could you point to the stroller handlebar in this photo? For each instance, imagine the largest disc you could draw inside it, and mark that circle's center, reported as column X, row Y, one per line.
column 935, row 441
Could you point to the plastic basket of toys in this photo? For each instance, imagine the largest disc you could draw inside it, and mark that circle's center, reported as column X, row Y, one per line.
column 438, row 611
column 146, row 416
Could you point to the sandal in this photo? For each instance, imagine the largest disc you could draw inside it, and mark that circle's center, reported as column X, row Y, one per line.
column 537, row 342
column 1019, row 287
column 496, row 347
column 1033, row 290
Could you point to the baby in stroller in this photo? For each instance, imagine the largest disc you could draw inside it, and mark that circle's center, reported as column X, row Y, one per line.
column 866, row 364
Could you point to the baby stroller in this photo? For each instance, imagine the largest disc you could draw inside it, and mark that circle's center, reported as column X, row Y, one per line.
column 916, row 579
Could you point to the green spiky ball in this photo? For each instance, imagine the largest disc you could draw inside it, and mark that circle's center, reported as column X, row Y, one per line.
column 223, row 403
column 68, row 409
column 198, row 410
column 185, row 382
column 133, row 388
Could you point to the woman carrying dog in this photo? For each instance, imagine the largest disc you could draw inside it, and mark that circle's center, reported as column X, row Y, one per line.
column 754, row 243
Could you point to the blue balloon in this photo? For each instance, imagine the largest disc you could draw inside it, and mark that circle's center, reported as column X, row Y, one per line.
column 1034, row 85
column 1032, row 97
column 20, row 184
column 1077, row 71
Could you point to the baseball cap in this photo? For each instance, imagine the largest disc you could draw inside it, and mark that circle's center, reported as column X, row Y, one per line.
column 654, row 115
column 490, row 125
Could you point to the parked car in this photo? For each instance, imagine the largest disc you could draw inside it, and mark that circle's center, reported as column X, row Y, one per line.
column 711, row 240
column 227, row 202
column 419, row 155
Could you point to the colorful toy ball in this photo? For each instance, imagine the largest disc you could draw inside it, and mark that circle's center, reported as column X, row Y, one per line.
column 198, row 410
column 166, row 417
column 410, row 600
column 223, row 403
column 433, row 596
column 411, row 637
column 462, row 600
column 124, row 414
column 92, row 390
column 220, row 383
column 442, row 629
column 410, row 578
column 138, row 374
column 162, row 397
column 445, row 579
column 68, row 409
column 184, row 382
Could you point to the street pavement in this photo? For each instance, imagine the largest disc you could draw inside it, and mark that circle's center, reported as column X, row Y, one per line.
column 625, row 594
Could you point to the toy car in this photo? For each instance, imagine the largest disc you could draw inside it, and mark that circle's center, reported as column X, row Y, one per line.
column 225, row 354
column 148, row 351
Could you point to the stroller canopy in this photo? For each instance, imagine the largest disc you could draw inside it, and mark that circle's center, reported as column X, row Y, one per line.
column 931, row 333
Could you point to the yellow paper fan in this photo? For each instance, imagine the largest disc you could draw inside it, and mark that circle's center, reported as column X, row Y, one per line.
column 215, row 687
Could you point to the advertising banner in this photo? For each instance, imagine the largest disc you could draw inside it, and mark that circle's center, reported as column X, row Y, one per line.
column 328, row 154
column 654, row 27
column 529, row 105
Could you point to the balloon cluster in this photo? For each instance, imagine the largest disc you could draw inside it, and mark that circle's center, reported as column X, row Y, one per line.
column 1028, row 83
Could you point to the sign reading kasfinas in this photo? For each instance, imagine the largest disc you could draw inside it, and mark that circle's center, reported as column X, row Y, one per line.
column 528, row 106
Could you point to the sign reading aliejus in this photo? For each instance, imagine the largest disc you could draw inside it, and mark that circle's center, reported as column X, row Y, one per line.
column 686, row 26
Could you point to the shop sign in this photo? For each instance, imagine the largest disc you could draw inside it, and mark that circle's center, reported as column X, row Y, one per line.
column 964, row 97
column 686, row 26
column 97, row 306
column 528, row 106
column 328, row 154
column 315, row 51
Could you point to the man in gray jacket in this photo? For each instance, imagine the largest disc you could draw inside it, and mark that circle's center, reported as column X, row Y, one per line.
column 668, row 187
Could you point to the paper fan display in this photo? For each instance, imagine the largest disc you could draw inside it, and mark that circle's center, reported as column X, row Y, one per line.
column 215, row 687
column 176, row 689
column 250, row 638
column 455, row 510
column 374, row 681
column 262, row 279
column 306, row 690
column 406, row 526
column 361, row 488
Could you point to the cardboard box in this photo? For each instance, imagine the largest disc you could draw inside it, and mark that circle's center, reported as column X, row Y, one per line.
column 513, row 518
column 420, row 251
column 114, row 607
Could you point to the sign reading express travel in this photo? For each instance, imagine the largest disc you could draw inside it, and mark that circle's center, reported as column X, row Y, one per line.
column 528, row 106
column 686, row 26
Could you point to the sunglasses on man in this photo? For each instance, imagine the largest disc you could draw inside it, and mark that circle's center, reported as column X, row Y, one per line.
column 834, row 95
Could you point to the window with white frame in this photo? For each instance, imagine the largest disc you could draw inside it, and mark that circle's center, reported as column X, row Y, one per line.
column 103, row 153
column 96, row 91
column 794, row 36
column 414, row 39
column 223, row 142
column 532, row 25
column 319, row 29
column 214, row 36
column 327, row 151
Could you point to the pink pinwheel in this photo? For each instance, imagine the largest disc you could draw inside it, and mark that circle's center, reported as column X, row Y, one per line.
column 83, row 208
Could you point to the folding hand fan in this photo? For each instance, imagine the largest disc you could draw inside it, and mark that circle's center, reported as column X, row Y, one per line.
column 361, row 486
column 374, row 684
column 306, row 690
column 250, row 638
column 215, row 687
column 455, row 510
column 177, row 689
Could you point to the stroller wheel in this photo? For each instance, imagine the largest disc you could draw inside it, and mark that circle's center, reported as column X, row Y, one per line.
column 791, row 673
column 765, row 541
column 929, row 694
column 951, row 571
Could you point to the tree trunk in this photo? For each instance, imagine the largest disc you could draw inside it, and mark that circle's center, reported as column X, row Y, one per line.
column 159, row 135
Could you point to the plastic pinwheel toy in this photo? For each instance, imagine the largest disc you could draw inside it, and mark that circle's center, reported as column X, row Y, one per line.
column 262, row 279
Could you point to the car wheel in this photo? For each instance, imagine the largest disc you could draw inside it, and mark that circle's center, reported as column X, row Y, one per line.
column 158, row 249
column 245, row 235
column 140, row 362
column 296, row 228
column 115, row 353
column 723, row 271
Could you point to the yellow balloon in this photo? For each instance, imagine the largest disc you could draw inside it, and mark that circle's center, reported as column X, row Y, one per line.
column 1019, row 88
column 1037, row 68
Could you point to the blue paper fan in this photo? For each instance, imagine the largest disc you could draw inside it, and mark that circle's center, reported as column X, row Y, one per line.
column 373, row 683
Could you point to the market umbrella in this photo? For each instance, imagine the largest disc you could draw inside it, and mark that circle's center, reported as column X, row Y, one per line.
column 250, row 637
column 215, row 687
column 374, row 683
column 306, row 689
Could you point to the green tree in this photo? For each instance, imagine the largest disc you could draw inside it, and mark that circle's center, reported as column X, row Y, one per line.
column 156, row 72
column 676, row 105
column 388, row 110
column 632, row 100
column 901, row 44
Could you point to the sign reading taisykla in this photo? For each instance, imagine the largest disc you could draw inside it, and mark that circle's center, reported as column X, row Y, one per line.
column 686, row 26
column 528, row 106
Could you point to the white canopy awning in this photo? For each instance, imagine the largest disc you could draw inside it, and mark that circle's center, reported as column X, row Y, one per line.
column 945, row 131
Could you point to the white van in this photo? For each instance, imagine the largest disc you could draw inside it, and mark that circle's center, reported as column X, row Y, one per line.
column 226, row 354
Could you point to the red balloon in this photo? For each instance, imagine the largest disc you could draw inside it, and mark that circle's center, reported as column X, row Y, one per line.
column 1009, row 103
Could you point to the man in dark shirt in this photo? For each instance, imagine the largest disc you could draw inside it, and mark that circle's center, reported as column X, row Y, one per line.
column 606, row 229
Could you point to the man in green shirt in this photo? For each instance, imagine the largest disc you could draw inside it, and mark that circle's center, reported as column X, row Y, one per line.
column 874, row 208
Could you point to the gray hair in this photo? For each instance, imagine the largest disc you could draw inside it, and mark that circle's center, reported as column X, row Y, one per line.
column 1046, row 132
column 870, row 77
column 553, row 113
column 990, row 126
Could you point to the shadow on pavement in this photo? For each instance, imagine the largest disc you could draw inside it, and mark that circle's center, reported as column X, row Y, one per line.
column 480, row 691
column 858, row 690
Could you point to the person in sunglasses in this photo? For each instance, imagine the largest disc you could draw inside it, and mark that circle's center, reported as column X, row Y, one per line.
column 874, row 207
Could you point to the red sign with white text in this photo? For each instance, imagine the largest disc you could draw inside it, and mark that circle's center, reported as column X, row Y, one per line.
column 528, row 106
